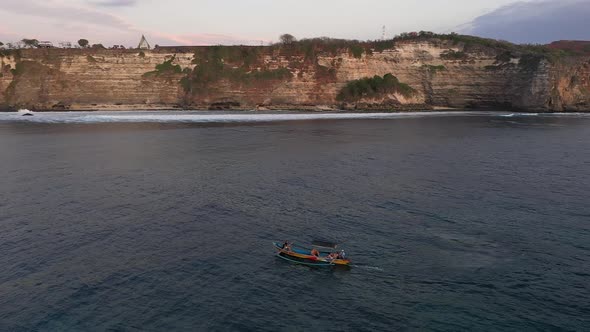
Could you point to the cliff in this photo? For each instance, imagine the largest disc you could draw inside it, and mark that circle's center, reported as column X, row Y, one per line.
column 317, row 74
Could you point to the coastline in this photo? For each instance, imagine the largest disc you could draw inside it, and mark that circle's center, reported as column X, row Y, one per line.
column 333, row 109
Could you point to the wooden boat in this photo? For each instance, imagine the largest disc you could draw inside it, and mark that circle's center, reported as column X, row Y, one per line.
column 302, row 255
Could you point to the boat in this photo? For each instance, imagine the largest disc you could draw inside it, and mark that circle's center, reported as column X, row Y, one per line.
column 25, row 112
column 327, row 254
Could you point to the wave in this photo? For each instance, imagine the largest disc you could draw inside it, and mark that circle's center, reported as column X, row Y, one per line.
column 511, row 115
column 243, row 116
column 206, row 117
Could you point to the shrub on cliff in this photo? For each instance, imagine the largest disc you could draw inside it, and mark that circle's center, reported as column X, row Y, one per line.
column 434, row 69
column 453, row 55
column 374, row 87
column 83, row 43
column 530, row 62
column 357, row 51
column 240, row 65
column 30, row 43
column 287, row 39
column 164, row 68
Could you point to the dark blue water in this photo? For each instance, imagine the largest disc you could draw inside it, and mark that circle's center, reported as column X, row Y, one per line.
column 453, row 223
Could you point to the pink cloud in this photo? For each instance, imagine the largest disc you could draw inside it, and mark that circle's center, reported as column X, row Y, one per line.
column 6, row 35
column 59, row 11
column 205, row 39
column 68, row 21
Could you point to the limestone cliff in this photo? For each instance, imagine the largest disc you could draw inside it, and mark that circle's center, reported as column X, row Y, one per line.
column 441, row 73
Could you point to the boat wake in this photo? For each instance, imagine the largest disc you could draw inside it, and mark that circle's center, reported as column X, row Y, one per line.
column 367, row 267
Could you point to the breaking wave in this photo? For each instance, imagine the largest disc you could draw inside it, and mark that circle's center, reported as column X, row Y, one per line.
column 243, row 116
column 207, row 117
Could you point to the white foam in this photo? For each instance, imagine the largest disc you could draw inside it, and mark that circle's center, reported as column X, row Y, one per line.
column 511, row 115
column 244, row 116
column 206, row 117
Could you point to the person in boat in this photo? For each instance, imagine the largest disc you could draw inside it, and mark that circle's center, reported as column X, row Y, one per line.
column 341, row 255
column 315, row 252
column 286, row 246
column 332, row 256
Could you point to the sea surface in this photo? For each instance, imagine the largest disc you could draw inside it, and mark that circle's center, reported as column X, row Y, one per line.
column 155, row 221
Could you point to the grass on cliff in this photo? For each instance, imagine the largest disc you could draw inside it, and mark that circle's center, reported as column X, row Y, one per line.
column 374, row 87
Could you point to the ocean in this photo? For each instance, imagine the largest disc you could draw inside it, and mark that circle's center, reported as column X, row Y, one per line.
column 164, row 221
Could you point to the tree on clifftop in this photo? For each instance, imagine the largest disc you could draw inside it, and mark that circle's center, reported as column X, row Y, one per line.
column 31, row 43
column 83, row 43
column 287, row 39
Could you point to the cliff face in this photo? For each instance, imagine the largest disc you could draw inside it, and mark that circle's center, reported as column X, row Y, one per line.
column 570, row 90
column 442, row 74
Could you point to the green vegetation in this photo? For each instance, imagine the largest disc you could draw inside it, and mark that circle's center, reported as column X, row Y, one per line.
column 31, row 43
column 32, row 68
column 504, row 57
column 434, row 69
column 287, row 39
column 19, row 69
column 83, row 43
column 383, row 45
column 357, row 51
column 323, row 73
column 470, row 43
column 454, row 55
column 530, row 62
column 312, row 47
column 141, row 54
column 272, row 74
column 237, row 64
column 6, row 53
column 91, row 59
column 374, row 87
column 165, row 68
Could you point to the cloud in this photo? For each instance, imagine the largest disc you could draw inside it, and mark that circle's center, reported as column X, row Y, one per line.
column 115, row 3
column 5, row 33
column 64, row 20
column 535, row 22
column 59, row 11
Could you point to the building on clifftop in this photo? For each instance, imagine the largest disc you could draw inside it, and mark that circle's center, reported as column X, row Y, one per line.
column 143, row 44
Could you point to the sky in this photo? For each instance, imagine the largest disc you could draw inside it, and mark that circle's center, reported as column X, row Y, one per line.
column 255, row 22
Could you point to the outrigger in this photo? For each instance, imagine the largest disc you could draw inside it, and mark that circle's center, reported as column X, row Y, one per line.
column 321, row 253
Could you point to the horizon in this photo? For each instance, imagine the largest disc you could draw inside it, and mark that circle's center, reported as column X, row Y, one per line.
column 261, row 22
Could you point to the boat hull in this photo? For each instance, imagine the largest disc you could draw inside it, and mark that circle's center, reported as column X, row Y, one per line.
column 304, row 256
